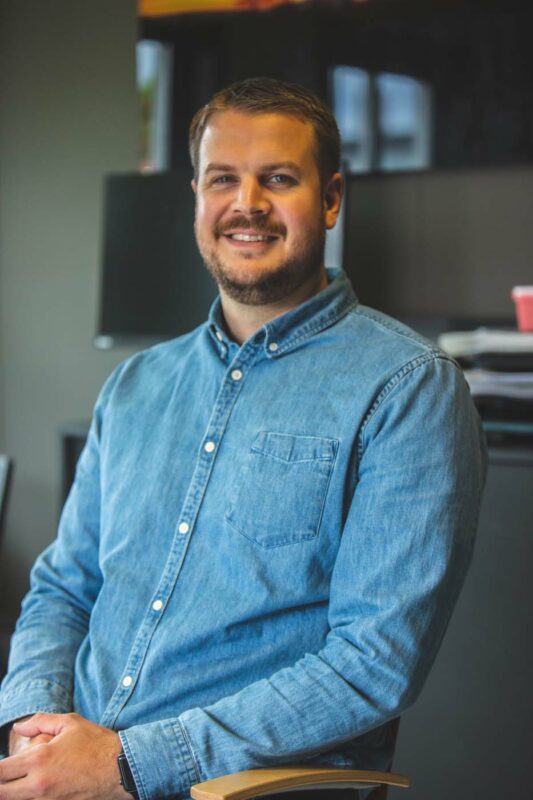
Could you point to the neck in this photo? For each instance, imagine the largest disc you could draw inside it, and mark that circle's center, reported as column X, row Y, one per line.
column 243, row 320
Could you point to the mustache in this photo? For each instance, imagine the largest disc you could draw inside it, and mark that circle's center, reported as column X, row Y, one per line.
column 261, row 225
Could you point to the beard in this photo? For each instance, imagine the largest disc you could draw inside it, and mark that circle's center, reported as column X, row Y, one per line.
column 258, row 289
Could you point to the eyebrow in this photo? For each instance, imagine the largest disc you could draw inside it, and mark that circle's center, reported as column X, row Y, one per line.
column 218, row 168
column 282, row 165
column 214, row 167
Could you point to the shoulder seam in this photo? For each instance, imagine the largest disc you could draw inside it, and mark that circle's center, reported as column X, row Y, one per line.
column 413, row 337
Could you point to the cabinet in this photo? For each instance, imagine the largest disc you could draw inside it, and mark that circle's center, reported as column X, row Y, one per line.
column 470, row 735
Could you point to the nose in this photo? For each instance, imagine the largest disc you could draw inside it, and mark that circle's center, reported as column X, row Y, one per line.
column 250, row 197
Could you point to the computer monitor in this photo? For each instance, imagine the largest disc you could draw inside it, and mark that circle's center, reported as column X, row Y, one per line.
column 154, row 285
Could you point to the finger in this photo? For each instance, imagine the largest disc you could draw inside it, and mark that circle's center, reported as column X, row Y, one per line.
column 41, row 738
column 17, row 744
column 21, row 743
column 17, row 790
column 51, row 724
column 12, row 768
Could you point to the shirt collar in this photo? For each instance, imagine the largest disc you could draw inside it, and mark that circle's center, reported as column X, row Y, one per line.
column 287, row 332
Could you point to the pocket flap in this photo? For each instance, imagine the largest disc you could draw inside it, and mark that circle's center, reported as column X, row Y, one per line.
column 294, row 448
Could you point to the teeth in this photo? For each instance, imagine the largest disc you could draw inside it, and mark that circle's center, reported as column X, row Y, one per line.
column 246, row 237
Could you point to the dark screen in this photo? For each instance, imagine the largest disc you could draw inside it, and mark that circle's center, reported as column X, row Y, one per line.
column 154, row 284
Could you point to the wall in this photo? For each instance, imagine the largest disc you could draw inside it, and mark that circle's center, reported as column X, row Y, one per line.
column 68, row 116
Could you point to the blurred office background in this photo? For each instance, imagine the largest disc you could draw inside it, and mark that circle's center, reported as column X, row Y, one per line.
column 435, row 108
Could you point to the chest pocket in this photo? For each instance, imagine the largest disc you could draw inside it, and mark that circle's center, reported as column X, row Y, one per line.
column 278, row 496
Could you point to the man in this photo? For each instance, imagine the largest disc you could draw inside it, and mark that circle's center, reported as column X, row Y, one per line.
column 273, row 514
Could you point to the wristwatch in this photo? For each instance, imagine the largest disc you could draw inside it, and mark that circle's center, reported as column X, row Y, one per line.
column 126, row 777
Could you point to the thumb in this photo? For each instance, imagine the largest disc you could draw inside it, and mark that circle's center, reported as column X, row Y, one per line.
column 40, row 723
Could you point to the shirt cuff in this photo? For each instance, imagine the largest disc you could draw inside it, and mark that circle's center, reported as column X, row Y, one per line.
column 30, row 698
column 160, row 759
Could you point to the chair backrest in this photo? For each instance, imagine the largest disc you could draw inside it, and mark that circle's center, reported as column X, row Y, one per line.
column 6, row 471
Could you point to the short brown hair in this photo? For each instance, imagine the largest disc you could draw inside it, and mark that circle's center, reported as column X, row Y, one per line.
column 268, row 96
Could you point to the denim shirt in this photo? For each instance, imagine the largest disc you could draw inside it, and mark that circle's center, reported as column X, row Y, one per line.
column 262, row 547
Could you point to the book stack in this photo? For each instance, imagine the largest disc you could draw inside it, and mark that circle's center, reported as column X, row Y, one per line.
column 498, row 366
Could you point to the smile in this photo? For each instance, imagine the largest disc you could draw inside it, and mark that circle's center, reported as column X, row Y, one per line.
column 250, row 237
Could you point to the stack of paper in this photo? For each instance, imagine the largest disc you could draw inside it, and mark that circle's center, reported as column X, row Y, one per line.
column 498, row 366
column 486, row 340
column 484, row 382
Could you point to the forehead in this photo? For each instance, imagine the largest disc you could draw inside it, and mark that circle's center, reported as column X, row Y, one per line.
column 232, row 137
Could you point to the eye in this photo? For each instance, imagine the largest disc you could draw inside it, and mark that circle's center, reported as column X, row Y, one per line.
column 279, row 179
column 221, row 180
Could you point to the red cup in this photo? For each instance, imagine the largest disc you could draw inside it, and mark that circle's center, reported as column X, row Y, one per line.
column 523, row 300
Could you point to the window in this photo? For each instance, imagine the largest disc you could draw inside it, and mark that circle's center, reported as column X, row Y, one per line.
column 384, row 120
column 154, row 70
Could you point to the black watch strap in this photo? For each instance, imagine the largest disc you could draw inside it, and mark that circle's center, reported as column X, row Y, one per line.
column 126, row 777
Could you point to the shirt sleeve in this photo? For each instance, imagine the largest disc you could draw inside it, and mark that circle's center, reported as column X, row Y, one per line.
column 65, row 581
column 405, row 549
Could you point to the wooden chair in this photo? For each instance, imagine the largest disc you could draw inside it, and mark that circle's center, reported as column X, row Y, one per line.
column 261, row 782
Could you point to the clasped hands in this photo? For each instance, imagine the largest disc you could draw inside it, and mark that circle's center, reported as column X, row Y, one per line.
column 61, row 757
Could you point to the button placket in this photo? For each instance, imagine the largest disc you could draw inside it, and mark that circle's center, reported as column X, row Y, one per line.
column 227, row 395
column 226, row 398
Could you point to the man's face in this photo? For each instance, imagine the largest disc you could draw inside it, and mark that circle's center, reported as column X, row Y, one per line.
column 261, row 212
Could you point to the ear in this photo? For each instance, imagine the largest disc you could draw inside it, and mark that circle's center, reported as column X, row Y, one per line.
column 194, row 185
column 332, row 199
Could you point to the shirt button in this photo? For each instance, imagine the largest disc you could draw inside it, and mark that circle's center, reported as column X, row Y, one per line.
column 236, row 374
column 127, row 681
column 209, row 447
column 183, row 527
column 273, row 346
column 157, row 605
column 219, row 336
